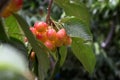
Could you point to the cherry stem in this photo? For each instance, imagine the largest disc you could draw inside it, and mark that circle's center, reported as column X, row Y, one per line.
column 49, row 11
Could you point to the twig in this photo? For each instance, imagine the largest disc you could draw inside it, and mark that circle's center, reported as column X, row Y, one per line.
column 109, row 37
column 49, row 11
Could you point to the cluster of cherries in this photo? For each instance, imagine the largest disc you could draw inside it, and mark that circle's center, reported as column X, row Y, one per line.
column 12, row 6
column 49, row 36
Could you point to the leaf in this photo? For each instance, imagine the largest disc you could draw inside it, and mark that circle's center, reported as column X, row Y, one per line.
column 13, row 64
column 75, row 8
column 42, row 56
column 63, row 54
column 75, row 28
column 83, row 51
column 77, row 21
column 12, row 61
column 12, row 28
column 3, row 34
column 18, row 45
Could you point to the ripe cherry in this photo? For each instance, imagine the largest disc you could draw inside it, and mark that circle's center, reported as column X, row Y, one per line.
column 34, row 31
column 58, row 43
column 51, row 34
column 67, row 41
column 12, row 6
column 41, row 36
column 32, row 56
column 17, row 5
column 49, row 44
column 61, row 34
column 41, row 26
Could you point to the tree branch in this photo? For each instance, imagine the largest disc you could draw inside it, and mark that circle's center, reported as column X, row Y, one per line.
column 49, row 11
column 109, row 37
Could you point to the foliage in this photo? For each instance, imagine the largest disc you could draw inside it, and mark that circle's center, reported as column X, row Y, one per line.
column 47, row 63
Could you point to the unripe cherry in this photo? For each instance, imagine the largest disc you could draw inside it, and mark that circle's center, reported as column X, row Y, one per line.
column 49, row 44
column 51, row 34
column 41, row 26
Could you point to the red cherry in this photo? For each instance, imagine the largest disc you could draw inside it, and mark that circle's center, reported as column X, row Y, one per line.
column 12, row 6
column 41, row 26
column 51, row 34
column 41, row 36
column 58, row 43
column 34, row 31
column 61, row 34
column 68, row 41
column 50, row 45
column 17, row 4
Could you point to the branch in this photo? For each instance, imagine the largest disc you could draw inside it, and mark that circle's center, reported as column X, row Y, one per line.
column 49, row 11
column 109, row 37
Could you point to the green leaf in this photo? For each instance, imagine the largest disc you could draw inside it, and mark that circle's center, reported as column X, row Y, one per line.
column 63, row 54
column 3, row 34
column 18, row 45
column 84, row 52
column 75, row 28
column 75, row 8
column 43, row 60
column 12, row 28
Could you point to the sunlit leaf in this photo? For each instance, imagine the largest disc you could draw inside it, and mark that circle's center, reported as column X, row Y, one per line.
column 75, row 28
column 84, row 52
column 75, row 8
column 12, row 28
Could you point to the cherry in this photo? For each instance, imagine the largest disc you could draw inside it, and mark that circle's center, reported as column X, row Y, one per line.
column 51, row 34
column 61, row 34
column 68, row 41
column 17, row 4
column 32, row 56
column 49, row 44
column 58, row 43
column 34, row 31
column 13, row 6
column 41, row 26
column 41, row 36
